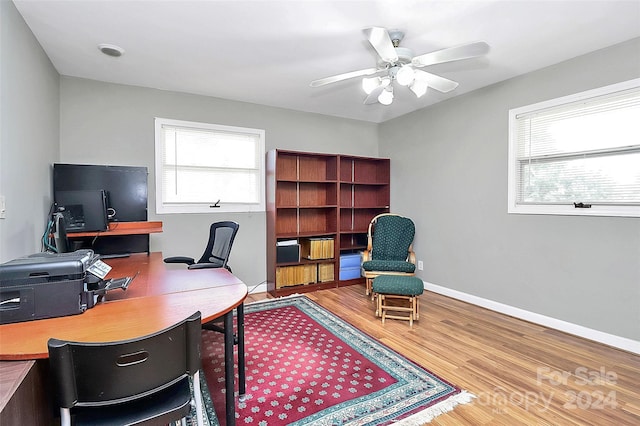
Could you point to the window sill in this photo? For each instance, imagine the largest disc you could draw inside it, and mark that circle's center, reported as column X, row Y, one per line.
column 224, row 208
column 570, row 210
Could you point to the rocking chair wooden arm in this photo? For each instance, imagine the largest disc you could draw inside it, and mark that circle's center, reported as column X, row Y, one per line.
column 411, row 258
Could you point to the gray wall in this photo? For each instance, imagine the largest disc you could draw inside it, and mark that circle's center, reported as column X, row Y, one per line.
column 449, row 168
column 449, row 172
column 103, row 123
column 29, row 130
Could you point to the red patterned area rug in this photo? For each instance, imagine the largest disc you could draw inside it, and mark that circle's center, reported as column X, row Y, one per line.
column 305, row 365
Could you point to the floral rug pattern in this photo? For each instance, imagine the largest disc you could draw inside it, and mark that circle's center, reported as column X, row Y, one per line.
column 304, row 365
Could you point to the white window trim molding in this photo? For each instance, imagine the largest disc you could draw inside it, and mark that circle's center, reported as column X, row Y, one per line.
column 561, row 209
column 177, row 208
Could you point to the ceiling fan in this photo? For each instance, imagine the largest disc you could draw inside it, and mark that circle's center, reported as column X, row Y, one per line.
column 398, row 64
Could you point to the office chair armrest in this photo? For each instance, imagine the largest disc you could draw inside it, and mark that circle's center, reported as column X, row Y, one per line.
column 180, row 259
column 205, row 265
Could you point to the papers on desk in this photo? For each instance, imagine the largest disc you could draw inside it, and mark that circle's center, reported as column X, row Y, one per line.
column 99, row 269
column 121, row 283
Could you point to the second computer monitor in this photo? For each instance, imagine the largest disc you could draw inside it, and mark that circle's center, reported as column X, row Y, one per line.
column 84, row 210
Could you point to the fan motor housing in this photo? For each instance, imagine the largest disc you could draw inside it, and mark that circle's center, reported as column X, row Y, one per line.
column 404, row 57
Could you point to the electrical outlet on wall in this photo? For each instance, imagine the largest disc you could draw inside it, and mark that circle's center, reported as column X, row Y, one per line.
column 3, row 208
column 420, row 265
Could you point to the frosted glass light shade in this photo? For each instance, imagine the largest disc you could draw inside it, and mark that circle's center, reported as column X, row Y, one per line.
column 419, row 87
column 386, row 97
column 370, row 83
column 405, row 75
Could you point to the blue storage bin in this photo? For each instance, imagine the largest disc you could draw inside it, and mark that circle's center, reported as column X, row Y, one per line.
column 350, row 260
column 349, row 273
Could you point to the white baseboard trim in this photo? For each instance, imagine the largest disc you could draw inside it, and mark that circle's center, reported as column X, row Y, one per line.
column 577, row 330
column 260, row 288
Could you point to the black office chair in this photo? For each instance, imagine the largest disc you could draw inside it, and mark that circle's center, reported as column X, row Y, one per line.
column 138, row 381
column 216, row 255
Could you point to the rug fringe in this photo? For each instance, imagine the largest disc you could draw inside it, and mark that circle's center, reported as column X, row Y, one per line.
column 425, row 416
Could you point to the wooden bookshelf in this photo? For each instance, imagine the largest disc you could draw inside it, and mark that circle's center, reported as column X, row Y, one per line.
column 312, row 195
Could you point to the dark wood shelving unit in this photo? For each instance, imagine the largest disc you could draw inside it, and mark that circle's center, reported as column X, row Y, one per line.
column 313, row 195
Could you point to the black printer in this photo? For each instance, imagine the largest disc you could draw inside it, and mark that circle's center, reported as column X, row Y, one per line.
column 46, row 285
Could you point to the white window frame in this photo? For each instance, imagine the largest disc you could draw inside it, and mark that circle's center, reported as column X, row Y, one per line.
column 223, row 207
column 561, row 209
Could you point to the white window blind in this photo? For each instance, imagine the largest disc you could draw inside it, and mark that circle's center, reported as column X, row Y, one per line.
column 204, row 167
column 578, row 154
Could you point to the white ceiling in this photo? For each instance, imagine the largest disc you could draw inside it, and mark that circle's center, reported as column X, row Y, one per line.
column 267, row 52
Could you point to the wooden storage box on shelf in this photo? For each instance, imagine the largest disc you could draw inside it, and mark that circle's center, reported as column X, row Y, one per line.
column 316, row 248
column 325, row 272
column 296, row 275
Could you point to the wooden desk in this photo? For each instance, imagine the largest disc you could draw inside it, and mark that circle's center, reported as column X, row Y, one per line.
column 122, row 228
column 157, row 278
column 156, row 299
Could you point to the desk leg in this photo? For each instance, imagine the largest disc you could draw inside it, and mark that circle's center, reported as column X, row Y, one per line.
column 228, row 369
column 241, row 366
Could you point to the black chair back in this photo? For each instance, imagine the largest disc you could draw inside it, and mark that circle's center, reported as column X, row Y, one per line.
column 99, row 374
column 221, row 236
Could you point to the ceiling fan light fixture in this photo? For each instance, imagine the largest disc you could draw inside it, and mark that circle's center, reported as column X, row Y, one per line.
column 405, row 75
column 398, row 64
column 370, row 83
column 386, row 97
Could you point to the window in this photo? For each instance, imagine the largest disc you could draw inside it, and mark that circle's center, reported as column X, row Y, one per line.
column 203, row 168
column 577, row 155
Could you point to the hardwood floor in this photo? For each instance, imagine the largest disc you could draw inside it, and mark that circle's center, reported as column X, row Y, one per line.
column 521, row 373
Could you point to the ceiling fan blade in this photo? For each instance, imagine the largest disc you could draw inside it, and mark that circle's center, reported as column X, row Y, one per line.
column 345, row 76
column 441, row 84
column 466, row 51
column 380, row 40
column 372, row 98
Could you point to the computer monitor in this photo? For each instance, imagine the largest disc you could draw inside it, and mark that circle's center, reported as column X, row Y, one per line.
column 91, row 205
column 125, row 187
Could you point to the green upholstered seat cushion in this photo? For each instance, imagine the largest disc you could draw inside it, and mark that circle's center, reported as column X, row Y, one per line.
column 392, row 237
column 389, row 266
column 398, row 284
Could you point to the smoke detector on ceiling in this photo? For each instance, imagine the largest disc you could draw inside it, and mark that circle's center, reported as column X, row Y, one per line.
column 111, row 50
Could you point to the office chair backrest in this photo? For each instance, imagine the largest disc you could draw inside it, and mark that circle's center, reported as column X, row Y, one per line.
column 96, row 374
column 392, row 237
column 221, row 236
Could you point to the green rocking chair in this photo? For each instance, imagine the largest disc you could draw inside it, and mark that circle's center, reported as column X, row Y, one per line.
column 389, row 248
